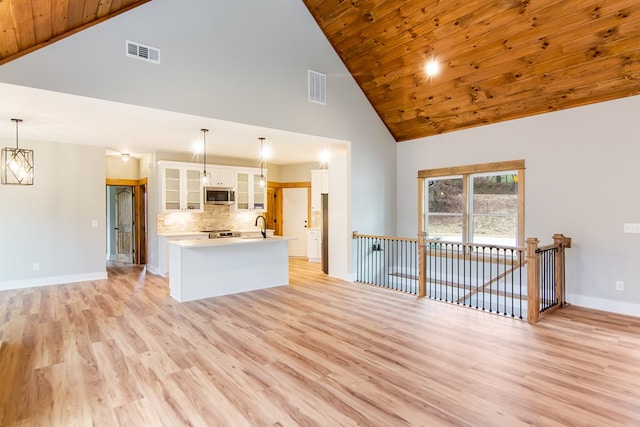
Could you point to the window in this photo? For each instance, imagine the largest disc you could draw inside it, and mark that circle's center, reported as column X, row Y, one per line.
column 477, row 203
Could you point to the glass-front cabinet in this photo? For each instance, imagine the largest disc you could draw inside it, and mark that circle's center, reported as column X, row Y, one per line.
column 250, row 191
column 194, row 194
column 181, row 188
column 171, row 189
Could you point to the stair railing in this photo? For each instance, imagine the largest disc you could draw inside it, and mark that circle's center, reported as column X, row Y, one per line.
column 512, row 281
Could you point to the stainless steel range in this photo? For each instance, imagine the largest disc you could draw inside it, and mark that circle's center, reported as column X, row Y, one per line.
column 218, row 234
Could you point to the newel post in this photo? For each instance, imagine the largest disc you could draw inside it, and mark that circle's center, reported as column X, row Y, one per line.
column 422, row 267
column 533, row 280
column 560, row 241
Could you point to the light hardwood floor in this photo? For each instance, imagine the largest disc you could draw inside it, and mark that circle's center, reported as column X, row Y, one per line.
column 317, row 352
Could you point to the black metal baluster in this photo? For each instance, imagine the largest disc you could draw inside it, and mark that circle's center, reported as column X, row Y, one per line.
column 440, row 271
column 504, row 282
column 520, row 281
column 482, row 266
column 546, row 278
column 432, row 269
column 512, row 288
column 405, row 270
column 447, row 274
column 416, row 263
column 371, row 263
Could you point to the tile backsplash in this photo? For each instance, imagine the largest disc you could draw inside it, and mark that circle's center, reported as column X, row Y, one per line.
column 214, row 217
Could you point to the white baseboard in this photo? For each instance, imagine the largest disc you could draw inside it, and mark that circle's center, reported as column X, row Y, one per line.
column 52, row 280
column 619, row 307
column 154, row 269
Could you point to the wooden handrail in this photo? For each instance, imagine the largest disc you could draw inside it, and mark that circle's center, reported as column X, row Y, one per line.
column 355, row 235
column 467, row 244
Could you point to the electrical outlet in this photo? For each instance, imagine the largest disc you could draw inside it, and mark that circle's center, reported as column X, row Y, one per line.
column 619, row 285
column 36, row 266
column 631, row 228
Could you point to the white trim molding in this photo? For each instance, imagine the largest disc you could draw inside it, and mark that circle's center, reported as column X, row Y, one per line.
column 619, row 307
column 52, row 280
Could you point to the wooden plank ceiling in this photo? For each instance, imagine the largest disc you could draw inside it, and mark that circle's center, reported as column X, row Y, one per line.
column 500, row 60
column 27, row 25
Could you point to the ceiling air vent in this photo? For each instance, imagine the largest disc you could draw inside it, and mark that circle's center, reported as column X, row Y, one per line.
column 141, row 51
column 317, row 87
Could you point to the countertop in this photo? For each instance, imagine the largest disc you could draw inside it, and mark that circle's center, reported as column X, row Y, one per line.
column 228, row 241
column 199, row 233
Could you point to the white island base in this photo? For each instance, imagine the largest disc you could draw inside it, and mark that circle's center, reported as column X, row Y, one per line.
column 209, row 268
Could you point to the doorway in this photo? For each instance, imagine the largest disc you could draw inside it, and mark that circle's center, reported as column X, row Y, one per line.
column 295, row 221
column 298, row 219
column 274, row 209
column 126, row 221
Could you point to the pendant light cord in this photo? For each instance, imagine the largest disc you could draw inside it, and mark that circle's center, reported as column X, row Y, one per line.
column 17, row 121
column 261, row 156
column 204, row 149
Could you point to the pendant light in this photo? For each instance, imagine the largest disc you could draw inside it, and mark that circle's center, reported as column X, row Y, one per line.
column 205, row 178
column 17, row 163
column 262, row 182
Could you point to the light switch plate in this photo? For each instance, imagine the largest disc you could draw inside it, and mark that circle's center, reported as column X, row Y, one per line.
column 631, row 228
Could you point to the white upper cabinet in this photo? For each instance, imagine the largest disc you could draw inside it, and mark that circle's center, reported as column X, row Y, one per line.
column 219, row 177
column 181, row 188
column 250, row 194
column 319, row 185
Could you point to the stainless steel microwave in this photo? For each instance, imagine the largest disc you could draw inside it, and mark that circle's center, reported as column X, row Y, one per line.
column 219, row 195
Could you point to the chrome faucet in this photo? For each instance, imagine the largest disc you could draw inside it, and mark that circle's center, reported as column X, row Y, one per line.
column 263, row 230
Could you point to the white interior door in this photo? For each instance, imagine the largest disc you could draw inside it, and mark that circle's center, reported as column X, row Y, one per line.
column 294, row 219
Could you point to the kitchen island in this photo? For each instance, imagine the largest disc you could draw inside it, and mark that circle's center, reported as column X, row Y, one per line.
column 213, row 267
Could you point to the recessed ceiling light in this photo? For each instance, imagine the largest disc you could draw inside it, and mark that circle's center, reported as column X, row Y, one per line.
column 432, row 68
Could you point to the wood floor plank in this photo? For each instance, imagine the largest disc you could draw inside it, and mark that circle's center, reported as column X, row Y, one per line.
column 317, row 352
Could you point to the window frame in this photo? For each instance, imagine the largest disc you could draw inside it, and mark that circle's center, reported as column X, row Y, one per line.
column 467, row 172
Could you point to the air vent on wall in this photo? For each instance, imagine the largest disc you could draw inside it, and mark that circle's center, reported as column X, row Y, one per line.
column 141, row 51
column 317, row 87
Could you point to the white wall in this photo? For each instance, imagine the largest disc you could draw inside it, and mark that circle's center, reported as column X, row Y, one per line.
column 220, row 61
column 116, row 168
column 300, row 172
column 581, row 170
column 50, row 222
